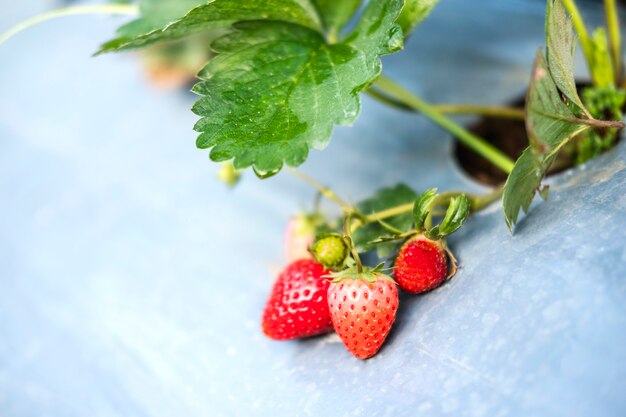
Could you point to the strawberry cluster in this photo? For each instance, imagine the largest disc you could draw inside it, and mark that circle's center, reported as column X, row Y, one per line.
column 326, row 288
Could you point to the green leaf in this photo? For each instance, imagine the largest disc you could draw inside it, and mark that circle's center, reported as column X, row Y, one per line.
column 218, row 14
column 383, row 199
column 456, row 215
column 602, row 65
column 413, row 13
column 336, row 13
column 277, row 89
column 549, row 120
column 522, row 184
column 422, row 207
column 560, row 48
column 376, row 32
column 550, row 124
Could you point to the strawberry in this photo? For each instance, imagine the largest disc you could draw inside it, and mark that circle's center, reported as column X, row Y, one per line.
column 422, row 262
column 362, row 308
column 299, row 236
column 421, row 265
column 331, row 250
column 297, row 306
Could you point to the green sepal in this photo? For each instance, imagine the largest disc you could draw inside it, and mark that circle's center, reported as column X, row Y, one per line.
column 368, row 274
column 433, row 233
column 455, row 217
column 422, row 207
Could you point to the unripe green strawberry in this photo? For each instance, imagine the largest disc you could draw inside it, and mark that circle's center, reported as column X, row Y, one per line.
column 331, row 251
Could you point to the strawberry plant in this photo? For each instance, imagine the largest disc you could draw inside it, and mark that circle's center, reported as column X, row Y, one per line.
column 275, row 77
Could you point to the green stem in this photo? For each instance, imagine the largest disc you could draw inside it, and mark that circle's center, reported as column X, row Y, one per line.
column 347, row 229
column 612, row 22
column 390, row 212
column 502, row 112
column 479, row 202
column 488, row 111
column 472, row 141
column 68, row 11
column 581, row 30
column 323, row 190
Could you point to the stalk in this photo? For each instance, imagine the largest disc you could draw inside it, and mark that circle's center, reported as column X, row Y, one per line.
column 477, row 202
column 488, row 111
column 472, row 141
column 347, row 230
column 328, row 193
column 108, row 9
column 501, row 112
column 612, row 23
column 390, row 212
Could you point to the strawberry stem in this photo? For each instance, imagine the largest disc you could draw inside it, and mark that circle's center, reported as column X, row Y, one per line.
column 68, row 11
column 479, row 145
column 347, row 225
column 477, row 202
column 327, row 192
column 502, row 112
column 612, row 23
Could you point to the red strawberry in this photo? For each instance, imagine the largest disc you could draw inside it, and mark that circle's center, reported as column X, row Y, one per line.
column 297, row 306
column 421, row 265
column 362, row 310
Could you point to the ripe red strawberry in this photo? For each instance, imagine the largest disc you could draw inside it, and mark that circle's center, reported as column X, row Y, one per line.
column 297, row 306
column 362, row 310
column 421, row 265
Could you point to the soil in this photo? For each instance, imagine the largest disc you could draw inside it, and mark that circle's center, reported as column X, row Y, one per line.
column 505, row 134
